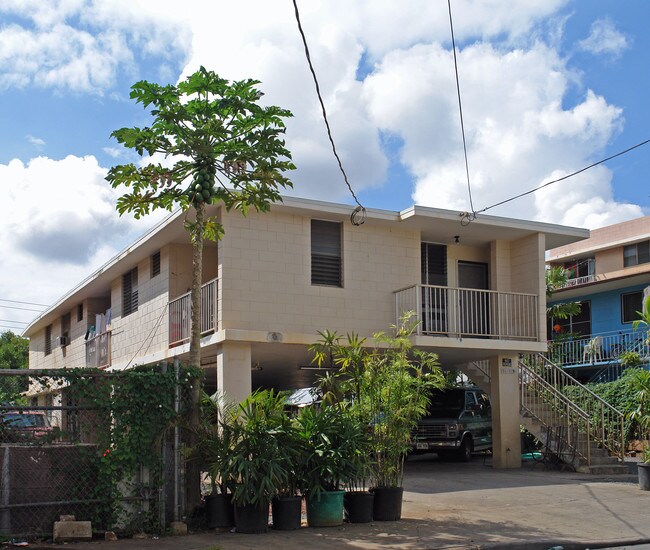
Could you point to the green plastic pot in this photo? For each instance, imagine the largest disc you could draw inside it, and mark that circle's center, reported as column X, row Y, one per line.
column 325, row 510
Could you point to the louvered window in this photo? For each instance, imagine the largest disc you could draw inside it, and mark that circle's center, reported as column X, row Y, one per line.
column 155, row 264
column 434, row 264
column 326, row 261
column 48, row 339
column 130, row 292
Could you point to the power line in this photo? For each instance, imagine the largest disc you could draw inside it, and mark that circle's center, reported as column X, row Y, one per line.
column 466, row 217
column 2, row 306
column 358, row 216
column 460, row 106
column 16, row 322
column 22, row 302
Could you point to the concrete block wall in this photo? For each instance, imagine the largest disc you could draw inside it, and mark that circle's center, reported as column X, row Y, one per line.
column 144, row 331
column 265, row 270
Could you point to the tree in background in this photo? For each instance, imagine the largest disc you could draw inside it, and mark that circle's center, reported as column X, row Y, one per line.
column 210, row 142
column 14, row 354
column 556, row 278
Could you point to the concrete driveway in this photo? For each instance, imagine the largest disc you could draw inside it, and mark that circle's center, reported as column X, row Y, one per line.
column 470, row 505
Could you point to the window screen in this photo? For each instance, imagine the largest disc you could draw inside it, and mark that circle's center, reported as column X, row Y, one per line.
column 434, row 264
column 326, row 261
column 155, row 264
column 130, row 292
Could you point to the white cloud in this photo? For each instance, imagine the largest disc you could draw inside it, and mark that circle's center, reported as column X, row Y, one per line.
column 519, row 134
column 604, row 39
column 113, row 152
column 82, row 45
column 35, row 141
column 60, row 223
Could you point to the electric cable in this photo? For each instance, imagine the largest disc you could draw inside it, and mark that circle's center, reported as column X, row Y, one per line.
column 460, row 108
column 22, row 302
column 471, row 216
column 149, row 337
column 2, row 306
column 358, row 216
column 15, row 322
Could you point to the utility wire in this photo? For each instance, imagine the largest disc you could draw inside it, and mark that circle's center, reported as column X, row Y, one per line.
column 21, row 302
column 358, row 216
column 15, row 322
column 2, row 306
column 466, row 216
column 460, row 108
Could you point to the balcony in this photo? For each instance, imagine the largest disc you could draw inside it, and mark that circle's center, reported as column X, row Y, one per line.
column 577, row 281
column 180, row 314
column 598, row 349
column 447, row 311
column 98, row 351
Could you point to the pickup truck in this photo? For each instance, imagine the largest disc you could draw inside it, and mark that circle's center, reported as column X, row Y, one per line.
column 458, row 423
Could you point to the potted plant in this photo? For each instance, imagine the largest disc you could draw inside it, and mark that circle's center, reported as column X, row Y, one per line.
column 214, row 436
column 640, row 381
column 332, row 439
column 399, row 379
column 259, row 465
column 286, row 506
column 344, row 387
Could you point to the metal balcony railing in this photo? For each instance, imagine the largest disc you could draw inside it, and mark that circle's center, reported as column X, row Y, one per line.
column 98, row 351
column 605, row 347
column 466, row 312
column 180, row 314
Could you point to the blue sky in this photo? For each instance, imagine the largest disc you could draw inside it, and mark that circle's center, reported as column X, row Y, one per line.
column 547, row 86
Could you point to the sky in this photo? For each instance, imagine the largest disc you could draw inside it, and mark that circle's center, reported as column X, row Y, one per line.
column 547, row 88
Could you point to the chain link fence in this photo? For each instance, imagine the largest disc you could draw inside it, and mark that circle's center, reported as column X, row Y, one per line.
column 56, row 453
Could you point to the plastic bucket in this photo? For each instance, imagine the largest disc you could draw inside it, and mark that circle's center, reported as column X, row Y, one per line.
column 325, row 511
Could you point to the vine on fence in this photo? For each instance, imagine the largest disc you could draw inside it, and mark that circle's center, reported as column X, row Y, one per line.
column 126, row 415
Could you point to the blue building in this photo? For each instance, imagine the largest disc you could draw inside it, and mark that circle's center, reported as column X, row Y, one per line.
column 609, row 277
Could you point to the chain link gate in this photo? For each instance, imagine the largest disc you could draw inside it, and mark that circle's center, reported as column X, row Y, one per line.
column 54, row 453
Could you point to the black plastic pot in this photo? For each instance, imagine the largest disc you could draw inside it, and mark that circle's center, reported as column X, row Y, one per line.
column 388, row 503
column 359, row 506
column 251, row 519
column 286, row 513
column 644, row 476
column 219, row 512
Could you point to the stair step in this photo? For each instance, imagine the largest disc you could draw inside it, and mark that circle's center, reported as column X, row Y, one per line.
column 613, row 469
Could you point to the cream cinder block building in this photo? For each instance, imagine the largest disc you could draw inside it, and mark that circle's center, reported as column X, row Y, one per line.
column 277, row 278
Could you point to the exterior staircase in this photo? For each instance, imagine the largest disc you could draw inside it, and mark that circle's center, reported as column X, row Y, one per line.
column 564, row 415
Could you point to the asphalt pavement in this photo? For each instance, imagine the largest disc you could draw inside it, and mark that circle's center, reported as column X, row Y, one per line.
column 462, row 506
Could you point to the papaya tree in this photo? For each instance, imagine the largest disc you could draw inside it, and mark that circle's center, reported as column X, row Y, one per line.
column 210, row 142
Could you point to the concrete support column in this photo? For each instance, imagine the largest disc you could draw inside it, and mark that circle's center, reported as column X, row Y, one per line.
column 506, row 440
column 234, row 370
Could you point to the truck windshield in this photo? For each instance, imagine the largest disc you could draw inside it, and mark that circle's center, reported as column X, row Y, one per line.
column 448, row 403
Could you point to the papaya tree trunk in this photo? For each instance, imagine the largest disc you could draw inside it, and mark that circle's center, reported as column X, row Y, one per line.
column 193, row 471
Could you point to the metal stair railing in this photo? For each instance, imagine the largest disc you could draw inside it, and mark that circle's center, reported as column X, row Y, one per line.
column 606, row 423
column 549, row 406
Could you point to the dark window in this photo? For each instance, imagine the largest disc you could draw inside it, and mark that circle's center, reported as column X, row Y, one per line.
column 434, row 264
column 80, row 312
column 326, row 261
column 630, row 305
column 576, row 324
column 155, row 264
column 130, row 292
column 635, row 254
column 65, row 327
column 48, row 339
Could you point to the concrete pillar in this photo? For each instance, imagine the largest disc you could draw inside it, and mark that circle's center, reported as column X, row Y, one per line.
column 506, row 441
column 234, row 370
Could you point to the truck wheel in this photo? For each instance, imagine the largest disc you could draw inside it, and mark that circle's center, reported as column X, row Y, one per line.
column 465, row 451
